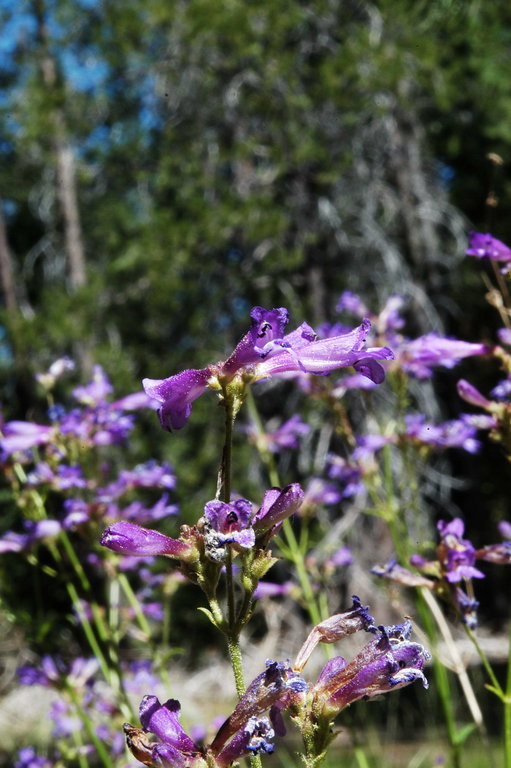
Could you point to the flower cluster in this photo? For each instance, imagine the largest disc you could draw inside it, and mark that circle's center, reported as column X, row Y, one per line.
column 388, row 662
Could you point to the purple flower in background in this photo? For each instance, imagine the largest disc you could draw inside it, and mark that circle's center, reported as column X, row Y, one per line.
column 27, row 758
column 342, row 557
column 55, row 371
column 270, row 589
column 23, row 435
column 457, row 433
column 35, row 531
column 320, row 491
column 287, row 435
column 263, row 352
column 457, row 555
column 419, row 356
column 504, row 335
column 455, row 563
column 96, row 391
column 485, row 246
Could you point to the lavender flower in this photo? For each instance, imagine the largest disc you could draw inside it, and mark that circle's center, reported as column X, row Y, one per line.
column 28, row 758
column 485, row 246
column 246, row 731
column 264, row 352
column 131, row 539
column 235, row 524
column 387, row 663
column 419, row 356
column 335, row 628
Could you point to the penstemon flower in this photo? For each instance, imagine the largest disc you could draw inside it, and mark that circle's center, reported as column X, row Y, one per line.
column 223, row 526
column 265, row 351
column 485, row 246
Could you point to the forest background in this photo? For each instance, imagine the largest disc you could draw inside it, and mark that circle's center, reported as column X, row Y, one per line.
column 166, row 165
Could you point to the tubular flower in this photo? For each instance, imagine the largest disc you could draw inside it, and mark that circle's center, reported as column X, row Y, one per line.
column 131, row 539
column 234, row 523
column 335, row 628
column 277, row 687
column 485, row 246
column 175, row 749
column 263, row 352
column 388, row 662
column 247, row 731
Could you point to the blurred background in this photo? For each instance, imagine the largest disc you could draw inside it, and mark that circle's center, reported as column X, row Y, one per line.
column 167, row 164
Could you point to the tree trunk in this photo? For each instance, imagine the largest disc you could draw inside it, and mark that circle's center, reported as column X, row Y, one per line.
column 6, row 269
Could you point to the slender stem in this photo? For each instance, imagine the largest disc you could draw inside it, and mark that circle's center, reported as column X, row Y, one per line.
column 224, row 474
column 231, row 611
column 507, row 709
column 135, row 604
column 484, row 660
column 295, row 551
column 91, row 733
column 301, row 571
column 442, row 682
column 233, row 647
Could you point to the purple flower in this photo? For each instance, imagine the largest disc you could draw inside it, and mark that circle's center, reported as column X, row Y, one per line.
column 252, row 738
column 96, row 391
column 504, row 335
column 27, row 758
column 286, row 436
column 342, row 557
column 277, row 687
column 22, row 435
column 55, row 371
column 227, row 524
column 270, row 589
column 175, row 749
column 471, row 395
column 335, row 628
column 502, row 391
column 387, row 663
column 235, row 524
column 419, row 356
column 485, row 246
column 130, row 539
column 264, row 352
column 457, row 433
column 35, row 531
column 395, row 572
column 457, row 555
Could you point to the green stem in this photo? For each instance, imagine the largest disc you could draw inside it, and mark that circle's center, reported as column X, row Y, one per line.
column 484, row 660
column 507, row 709
column 302, row 573
column 442, row 682
column 295, row 551
column 234, row 649
column 135, row 604
column 91, row 733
